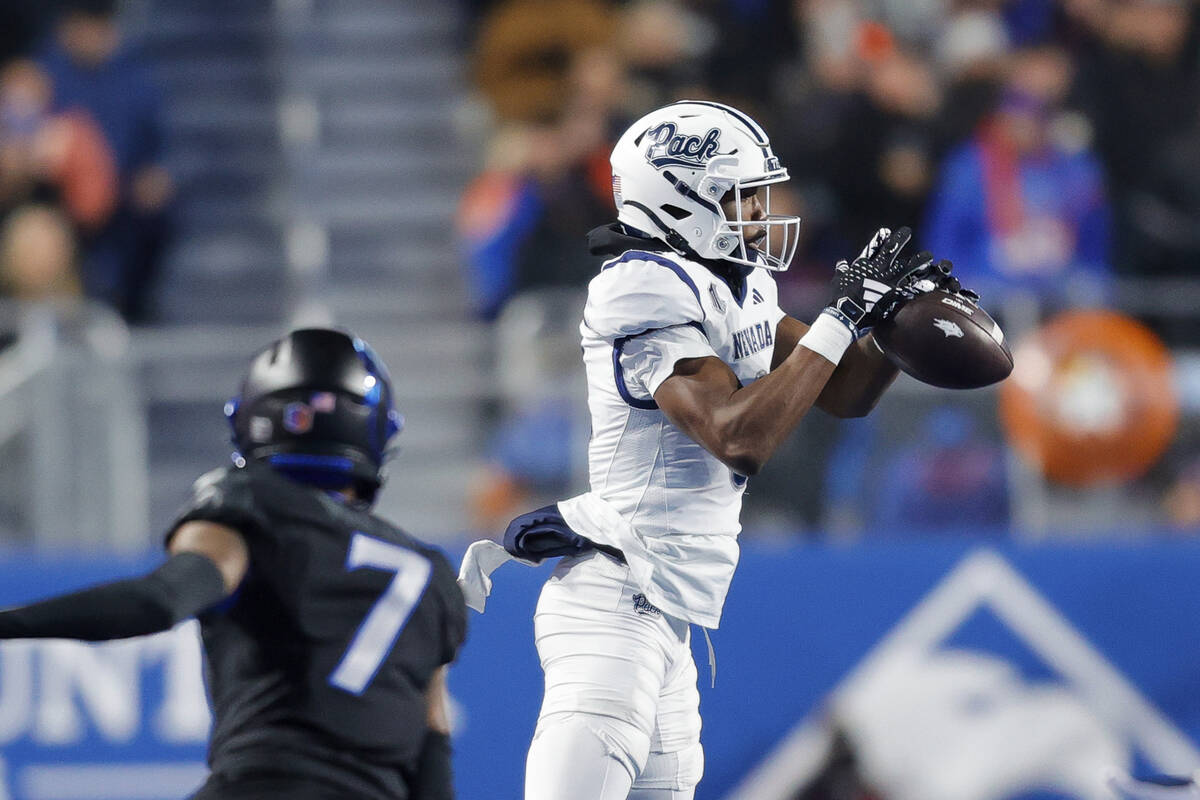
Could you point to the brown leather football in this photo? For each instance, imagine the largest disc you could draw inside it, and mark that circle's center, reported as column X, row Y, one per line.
column 946, row 340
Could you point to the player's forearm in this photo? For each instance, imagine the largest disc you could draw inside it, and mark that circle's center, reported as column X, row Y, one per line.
column 759, row 417
column 182, row 587
column 861, row 378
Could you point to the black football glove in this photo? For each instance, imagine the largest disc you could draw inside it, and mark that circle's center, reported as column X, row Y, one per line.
column 860, row 284
column 922, row 273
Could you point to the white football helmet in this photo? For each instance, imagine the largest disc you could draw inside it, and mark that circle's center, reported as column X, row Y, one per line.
column 673, row 166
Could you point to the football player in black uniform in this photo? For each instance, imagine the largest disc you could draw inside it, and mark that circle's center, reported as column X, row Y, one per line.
column 326, row 630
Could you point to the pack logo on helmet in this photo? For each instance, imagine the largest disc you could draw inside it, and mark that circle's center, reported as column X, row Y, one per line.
column 674, row 166
column 669, row 148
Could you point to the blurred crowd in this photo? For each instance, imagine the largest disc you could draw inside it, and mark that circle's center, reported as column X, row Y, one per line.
column 1045, row 143
column 84, row 195
column 1048, row 147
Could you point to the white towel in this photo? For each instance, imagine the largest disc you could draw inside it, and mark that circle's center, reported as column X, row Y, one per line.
column 475, row 575
column 685, row 575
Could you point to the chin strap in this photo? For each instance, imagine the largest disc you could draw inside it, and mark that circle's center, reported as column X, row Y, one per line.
column 680, row 245
column 672, row 237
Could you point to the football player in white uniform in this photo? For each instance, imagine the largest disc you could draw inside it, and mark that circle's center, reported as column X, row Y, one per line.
column 695, row 376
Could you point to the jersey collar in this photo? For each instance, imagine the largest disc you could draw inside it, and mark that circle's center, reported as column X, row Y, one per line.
column 617, row 238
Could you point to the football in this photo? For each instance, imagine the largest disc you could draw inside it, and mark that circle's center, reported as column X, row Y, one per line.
column 946, row 340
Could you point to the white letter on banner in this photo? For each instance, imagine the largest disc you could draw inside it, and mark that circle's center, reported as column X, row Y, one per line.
column 108, row 680
column 183, row 716
column 16, row 689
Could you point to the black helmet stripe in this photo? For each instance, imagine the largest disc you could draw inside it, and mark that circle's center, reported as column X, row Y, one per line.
column 758, row 133
column 690, row 193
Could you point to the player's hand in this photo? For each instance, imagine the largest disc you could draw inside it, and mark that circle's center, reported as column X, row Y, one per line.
column 922, row 273
column 860, row 284
column 1127, row 787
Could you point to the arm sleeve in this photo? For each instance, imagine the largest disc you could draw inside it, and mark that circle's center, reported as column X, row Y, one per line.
column 650, row 359
column 183, row 587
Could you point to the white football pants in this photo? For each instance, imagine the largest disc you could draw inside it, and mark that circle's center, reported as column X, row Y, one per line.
column 621, row 714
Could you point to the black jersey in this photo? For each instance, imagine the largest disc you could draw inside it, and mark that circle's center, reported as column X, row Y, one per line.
column 318, row 664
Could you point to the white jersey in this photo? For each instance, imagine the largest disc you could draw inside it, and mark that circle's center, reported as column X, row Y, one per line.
column 646, row 311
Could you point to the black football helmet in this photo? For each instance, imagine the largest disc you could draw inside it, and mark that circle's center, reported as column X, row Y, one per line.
column 317, row 405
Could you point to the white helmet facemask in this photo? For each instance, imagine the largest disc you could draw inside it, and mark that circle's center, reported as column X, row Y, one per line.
column 673, row 167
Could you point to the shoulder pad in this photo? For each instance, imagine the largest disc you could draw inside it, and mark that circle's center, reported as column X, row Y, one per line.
column 641, row 291
column 224, row 496
column 222, row 486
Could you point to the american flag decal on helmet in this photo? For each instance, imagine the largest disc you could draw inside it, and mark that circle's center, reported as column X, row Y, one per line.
column 616, row 183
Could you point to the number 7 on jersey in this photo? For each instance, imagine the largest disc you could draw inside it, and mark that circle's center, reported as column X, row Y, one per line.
column 382, row 625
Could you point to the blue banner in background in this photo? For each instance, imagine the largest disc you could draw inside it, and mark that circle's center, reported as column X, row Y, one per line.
column 1026, row 671
column 123, row 720
column 948, row 671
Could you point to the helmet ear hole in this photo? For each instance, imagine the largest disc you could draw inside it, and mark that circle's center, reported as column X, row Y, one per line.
column 676, row 211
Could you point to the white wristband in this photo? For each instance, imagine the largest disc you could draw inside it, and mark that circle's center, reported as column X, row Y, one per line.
column 828, row 337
